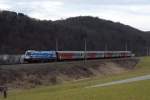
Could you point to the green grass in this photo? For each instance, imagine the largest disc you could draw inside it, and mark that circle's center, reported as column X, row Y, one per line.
column 77, row 91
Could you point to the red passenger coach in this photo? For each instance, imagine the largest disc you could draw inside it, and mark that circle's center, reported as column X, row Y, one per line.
column 125, row 53
column 108, row 54
column 64, row 55
column 70, row 55
column 91, row 55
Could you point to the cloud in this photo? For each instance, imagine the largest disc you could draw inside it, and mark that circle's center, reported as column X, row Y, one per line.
column 137, row 16
column 108, row 2
column 37, row 9
column 42, row 10
column 4, row 5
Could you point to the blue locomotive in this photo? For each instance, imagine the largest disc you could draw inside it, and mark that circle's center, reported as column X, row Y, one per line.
column 42, row 56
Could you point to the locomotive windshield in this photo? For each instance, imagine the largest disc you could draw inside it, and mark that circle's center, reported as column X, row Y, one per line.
column 28, row 53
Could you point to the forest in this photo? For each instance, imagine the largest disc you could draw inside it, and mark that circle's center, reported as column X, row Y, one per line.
column 19, row 32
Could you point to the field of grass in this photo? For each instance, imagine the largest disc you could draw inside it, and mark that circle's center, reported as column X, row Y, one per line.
column 76, row 90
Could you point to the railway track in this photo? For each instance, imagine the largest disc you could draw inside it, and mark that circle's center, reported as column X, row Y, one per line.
column 73, row 61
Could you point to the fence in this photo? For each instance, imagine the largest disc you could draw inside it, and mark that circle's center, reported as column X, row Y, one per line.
column 11, row 59
column 3, row 89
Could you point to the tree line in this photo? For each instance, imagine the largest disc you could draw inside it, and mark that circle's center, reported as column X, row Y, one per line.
column 19, row 33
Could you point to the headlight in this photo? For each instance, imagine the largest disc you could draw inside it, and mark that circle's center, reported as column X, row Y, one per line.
column 27, row 57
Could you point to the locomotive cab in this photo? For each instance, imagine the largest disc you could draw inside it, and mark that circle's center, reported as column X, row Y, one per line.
column 27, row 56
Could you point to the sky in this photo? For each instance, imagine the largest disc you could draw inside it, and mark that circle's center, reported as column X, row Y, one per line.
column 135, row 13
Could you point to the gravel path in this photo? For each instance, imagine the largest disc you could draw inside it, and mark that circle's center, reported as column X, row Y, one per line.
column 140, row 78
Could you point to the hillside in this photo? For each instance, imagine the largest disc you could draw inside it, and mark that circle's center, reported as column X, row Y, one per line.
column 19, row 32
column 79, row 89
column 32, row 75
column 148, row 32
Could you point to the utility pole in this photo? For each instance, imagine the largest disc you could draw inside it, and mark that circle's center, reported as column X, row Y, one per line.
column 56, row 44
column 147, row 51
column 85, row 49
column 106, row 47
column 126, row 46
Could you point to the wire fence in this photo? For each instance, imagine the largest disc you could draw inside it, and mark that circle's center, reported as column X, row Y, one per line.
column 11, row 59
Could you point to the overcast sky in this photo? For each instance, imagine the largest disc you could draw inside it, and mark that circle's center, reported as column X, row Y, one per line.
column 131, row 12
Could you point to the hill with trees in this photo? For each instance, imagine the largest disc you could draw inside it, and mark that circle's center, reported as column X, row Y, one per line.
column 19, row 33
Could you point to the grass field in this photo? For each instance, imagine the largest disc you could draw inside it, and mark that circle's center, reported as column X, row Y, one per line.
column 76, row 90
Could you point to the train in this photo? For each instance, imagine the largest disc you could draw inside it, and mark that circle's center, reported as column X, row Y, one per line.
column 47, row 56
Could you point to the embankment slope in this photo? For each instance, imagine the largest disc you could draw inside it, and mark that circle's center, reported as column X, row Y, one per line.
column 31, row 75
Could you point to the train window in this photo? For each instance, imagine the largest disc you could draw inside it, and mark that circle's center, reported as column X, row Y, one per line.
column 28, row 53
